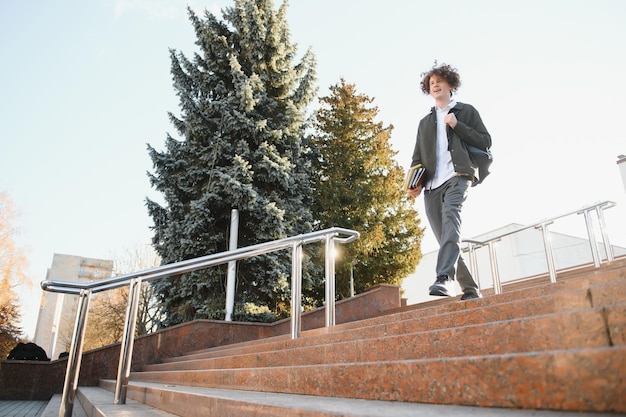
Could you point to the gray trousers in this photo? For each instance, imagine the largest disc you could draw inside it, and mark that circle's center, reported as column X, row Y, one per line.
column 443, row 209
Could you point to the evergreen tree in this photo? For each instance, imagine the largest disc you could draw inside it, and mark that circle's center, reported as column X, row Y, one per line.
column 358, row 185
column 243, row 100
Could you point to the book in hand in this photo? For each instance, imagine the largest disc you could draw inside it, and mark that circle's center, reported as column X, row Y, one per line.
column 414, row 177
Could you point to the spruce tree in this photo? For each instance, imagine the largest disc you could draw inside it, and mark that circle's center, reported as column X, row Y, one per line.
column 243, row 100
column 359, row 185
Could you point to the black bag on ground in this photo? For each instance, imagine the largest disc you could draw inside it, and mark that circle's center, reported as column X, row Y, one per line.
column 27, row 352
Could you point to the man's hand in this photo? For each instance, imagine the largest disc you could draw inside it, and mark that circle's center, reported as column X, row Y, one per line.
column 450, row 120
column 415, row 191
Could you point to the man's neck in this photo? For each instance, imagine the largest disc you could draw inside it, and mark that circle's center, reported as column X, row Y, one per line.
column 443, row 102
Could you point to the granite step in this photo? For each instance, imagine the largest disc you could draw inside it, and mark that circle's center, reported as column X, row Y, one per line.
column 589, row 379
column 54, row 406
column 564, row 275
column 98, row 402
column 483, row 311
column 553, row 347
column 590, row 327
column 200, row 402
column 557, row 347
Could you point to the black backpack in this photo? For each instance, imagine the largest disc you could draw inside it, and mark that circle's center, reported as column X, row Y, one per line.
column 482, row 158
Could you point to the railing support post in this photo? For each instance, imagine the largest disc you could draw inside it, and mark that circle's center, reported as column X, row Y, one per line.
column 495, row 274
column 329, row 257
column 547, row 246
column 296, row 289
column 75, row 355
column 352, row 264
column 592, row 239
column 605, row 236
column 471, row 248
column 232, row 266
column 128, row 338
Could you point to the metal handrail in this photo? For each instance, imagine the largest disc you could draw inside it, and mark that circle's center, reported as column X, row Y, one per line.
column 473, row 244
column 177, row 268
column 85, row 289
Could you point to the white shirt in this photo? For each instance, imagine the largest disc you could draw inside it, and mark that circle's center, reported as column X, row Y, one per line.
column 445, row 169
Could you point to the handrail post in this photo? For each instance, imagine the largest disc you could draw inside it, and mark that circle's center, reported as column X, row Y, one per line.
column 605, row 236
column 592, row 239
column 75, row 355
column 471, row 247
column 495, row 274
column 231, row 279
column 547, row 245
column 128, row 338
column 329, row 257
column 296, row 289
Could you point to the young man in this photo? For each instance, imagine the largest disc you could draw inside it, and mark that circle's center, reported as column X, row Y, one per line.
column 441, row 148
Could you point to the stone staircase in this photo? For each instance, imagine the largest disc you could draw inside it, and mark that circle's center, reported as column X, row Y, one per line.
column 536, row 347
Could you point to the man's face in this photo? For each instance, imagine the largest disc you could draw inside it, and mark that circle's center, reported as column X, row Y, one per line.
column 439, row 88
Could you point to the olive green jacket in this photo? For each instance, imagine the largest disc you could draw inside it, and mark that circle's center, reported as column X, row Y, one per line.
column 469, row 130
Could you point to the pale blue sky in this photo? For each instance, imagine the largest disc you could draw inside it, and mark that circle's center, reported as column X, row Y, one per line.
column 84, row 85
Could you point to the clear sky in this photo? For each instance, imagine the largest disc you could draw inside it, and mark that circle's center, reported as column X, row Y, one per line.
column 85, row 85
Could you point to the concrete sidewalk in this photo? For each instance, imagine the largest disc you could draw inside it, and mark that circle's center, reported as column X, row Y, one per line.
column 22, row 408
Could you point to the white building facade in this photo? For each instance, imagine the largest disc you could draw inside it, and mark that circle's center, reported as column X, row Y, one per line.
column 57, row 312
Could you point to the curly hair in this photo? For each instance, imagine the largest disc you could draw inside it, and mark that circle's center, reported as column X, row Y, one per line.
column 445, row 71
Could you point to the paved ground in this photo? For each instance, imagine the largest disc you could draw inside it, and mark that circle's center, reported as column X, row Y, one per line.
column 22, row 408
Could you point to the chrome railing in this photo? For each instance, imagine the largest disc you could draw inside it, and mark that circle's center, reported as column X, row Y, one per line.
column 85, row 289
column 543, row 225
